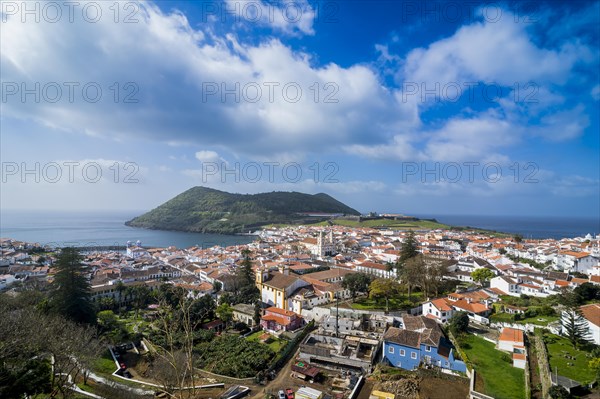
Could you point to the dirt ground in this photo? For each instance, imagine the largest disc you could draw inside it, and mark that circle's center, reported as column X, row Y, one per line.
column 433, row 388
column 421, row 384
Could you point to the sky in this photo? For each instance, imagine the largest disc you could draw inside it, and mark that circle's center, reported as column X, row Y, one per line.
column 414, row 107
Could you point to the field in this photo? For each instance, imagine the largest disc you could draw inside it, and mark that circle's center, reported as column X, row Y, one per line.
column 498, row 377
column 392, row 224
column 575, row 366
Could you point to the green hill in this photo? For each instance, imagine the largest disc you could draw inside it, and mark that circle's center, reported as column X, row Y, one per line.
column 206, row 210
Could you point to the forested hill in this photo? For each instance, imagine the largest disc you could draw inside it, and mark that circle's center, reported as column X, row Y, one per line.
column 205, row 210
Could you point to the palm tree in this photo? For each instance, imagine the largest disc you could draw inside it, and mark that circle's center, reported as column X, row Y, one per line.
column 120, row 287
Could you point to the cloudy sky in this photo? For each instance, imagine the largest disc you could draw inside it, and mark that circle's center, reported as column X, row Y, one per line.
column 413, row 107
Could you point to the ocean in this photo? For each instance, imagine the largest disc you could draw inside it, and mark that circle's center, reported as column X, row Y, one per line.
column 84, row 229
column 108, row 228
column 539, row 227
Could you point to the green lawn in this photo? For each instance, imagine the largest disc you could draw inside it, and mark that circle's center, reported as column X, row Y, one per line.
column 274, row 343
column 538, row 320
column 500, row 379
column 105, row 364
column 558, row 348
column 399, row 224
column 399, row 303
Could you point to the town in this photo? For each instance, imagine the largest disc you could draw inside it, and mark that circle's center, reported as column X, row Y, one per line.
column 334, row 311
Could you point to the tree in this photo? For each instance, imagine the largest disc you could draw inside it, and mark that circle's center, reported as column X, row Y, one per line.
column 141, row 296
column 518, row 238
column 70, row 292
column 246, row 268
column 459, row 323
column 594, row 364
column 409, row 248
column 120, row 288
column 217, row 286
column 109, row 327
column 587, row 292
column 574, row 326
column 432, row 273
column 39, row 351
column 107, row 303
column 225, row 312
column 412, row 271
column 482, row 275
column 384, row 288
column 559, row 392
column 356, row 282
column 257, row 313
column 202, row 308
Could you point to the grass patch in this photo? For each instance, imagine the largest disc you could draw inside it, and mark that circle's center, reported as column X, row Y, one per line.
column 537, row 320
column 105, row 364
column 400, row 303
column 273, row 342
column 500, row 379
column 576, row 369
column 392, row 224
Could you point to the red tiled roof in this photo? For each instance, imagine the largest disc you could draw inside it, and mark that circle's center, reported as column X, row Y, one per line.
column 277, row 319
column 441, row 304
column 279, row 311
column 592, row 313
column 512, row 335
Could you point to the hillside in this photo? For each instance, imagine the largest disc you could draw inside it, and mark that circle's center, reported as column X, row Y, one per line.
column 206, row 210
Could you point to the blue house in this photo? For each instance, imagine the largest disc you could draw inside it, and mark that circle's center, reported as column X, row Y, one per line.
column 420, row 340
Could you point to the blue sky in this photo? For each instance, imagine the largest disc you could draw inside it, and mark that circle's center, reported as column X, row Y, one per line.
column 413, row 107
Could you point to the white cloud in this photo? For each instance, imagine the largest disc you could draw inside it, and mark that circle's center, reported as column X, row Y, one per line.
column 500, row 52
column 290, row 17
column 208, row 156
column 169, row 69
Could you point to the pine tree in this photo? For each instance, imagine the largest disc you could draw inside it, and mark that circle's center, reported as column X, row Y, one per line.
column 574, row 326
column 70, row 295
column 408, row 250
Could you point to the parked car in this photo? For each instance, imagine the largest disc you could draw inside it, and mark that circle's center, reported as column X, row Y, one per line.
column 289, row 393
column 281, row 394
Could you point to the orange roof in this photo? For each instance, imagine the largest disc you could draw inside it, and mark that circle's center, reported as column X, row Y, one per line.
column 278, row 319
column 512, row 335
column 282, row 312
column 562, row 283
column 518, row 356
column 592, row 313
column 575, row 254
column 441, row 304
column 497, row 291
column 578, row 281
column 474, row 307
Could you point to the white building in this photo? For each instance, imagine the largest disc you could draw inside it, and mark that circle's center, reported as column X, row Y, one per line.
column 591, row 314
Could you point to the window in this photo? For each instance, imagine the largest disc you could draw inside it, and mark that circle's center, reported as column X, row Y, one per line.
column 427, row 348
column 391, row 349
column 413, row 355
column 402, row 352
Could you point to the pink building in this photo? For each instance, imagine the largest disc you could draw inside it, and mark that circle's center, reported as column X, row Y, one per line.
column 276, row 319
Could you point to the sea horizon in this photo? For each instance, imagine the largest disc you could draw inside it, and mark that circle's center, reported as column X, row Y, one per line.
column 107, row 228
